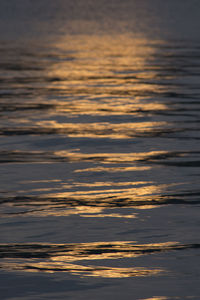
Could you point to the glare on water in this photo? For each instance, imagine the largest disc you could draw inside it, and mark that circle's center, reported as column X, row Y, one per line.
column 99, row 151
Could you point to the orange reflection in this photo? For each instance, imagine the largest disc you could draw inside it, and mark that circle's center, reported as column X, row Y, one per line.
column 114, row 158
column 110, row 75
column 83, row 271
column 131, row 193
column 60, row 257
column 77, row 156
column 157, row 298
column 94, row 199
column 104, row 130
column 96, row 75
column 92, row 203
column 103, row 107
column 113, row 169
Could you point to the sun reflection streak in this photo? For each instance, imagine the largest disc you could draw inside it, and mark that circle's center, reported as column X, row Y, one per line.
column 112, row 76
column 83, row 271
column 104, row 130
column 60, row 257
column 158, row 298
column 88, row 199
column 113, row 169
column 114, row 158
column 132, row 193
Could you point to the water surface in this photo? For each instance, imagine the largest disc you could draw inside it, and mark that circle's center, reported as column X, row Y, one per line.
column 99, row 150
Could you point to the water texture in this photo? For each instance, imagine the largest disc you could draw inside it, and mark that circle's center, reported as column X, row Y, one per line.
column 99, row 150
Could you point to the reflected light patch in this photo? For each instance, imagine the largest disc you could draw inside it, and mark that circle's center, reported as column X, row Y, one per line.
column 113, row 169
column 158, row 298
column 114, row 215
column 104, row 130
column 89, row 199
column 102, row 107
column 83, row 271
column 132, row 193
column 60, row 257
column 114, row 158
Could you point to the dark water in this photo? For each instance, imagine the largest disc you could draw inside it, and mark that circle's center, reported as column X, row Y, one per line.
column 99, row 150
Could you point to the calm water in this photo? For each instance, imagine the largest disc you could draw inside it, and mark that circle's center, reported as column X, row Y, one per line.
column 99, row 150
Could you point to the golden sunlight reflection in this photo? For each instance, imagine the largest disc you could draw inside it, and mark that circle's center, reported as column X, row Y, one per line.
column 103, row 158
column 89, row 199
column 83, row 271
column 104, row 130
column 131, row 193
column 108, row 158
column 100, row 157
column 113, row 215
column 81, row 211
column 42, row 210
column 61, row 257
column 87, row 78
column 103, row 107
column 110, row 75
column 113, row 169
column 102, row 51
column 157, row 298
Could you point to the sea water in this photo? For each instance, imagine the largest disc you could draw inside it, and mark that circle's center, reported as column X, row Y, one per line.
column 99, row 149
